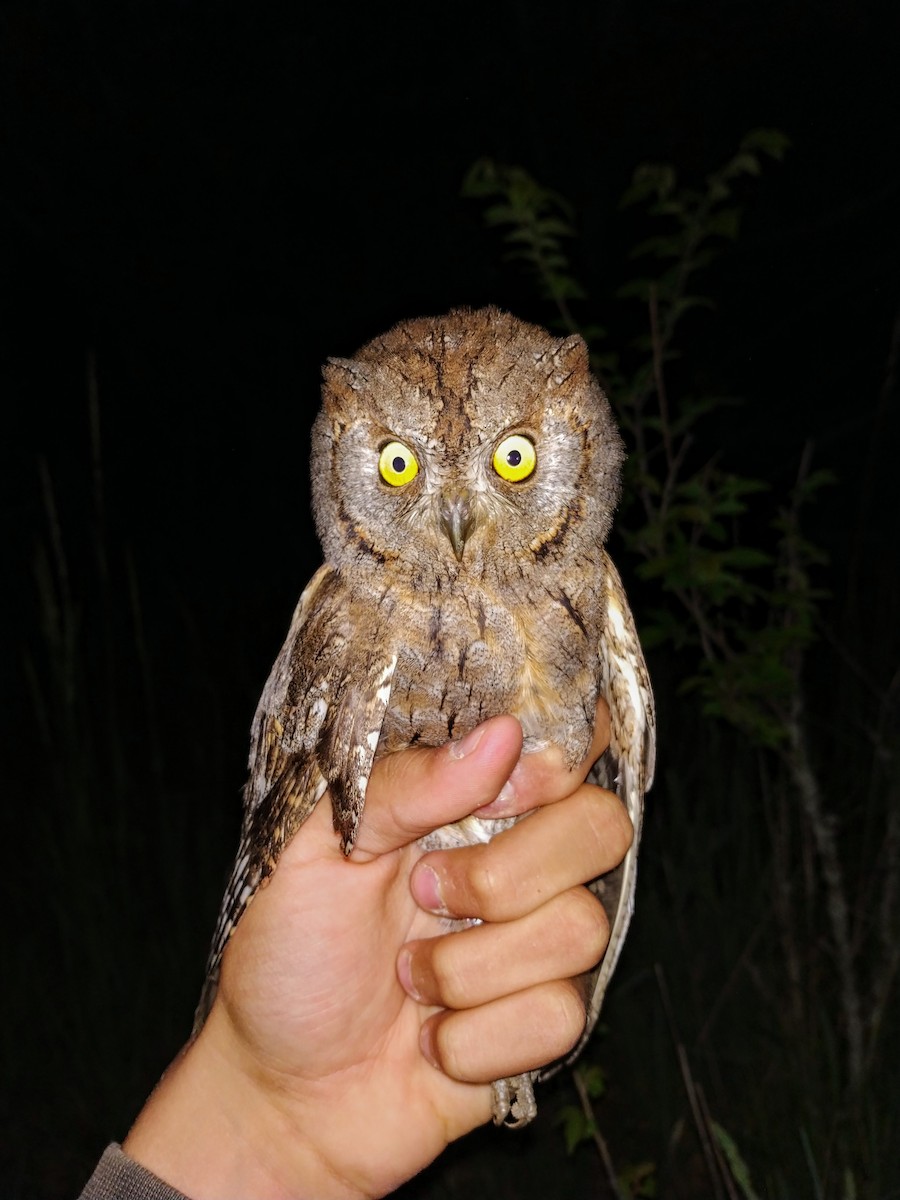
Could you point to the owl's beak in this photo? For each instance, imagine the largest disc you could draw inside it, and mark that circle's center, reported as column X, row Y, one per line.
column 457, row 519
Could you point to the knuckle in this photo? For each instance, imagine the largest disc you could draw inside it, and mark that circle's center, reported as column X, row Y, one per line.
column 585, row 928
column 445, row 1047
column 610, row 826
column 487, row 885
column 448, row 982
column 565, row 1014
column 626, row 828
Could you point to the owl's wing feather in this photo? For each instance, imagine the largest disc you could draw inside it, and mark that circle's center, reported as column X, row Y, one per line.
column 626, row 768
column 315, row 728
column 349, row 738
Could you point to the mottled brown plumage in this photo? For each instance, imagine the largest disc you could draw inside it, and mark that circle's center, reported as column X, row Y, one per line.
column 465, row 472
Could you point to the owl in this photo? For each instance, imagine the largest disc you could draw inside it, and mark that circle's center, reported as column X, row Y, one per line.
column 465, row 471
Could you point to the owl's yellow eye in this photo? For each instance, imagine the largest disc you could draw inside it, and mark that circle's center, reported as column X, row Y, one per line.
column 515, row 458
column 397, row 464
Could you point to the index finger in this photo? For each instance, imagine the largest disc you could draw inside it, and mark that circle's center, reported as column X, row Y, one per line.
column 543, row 777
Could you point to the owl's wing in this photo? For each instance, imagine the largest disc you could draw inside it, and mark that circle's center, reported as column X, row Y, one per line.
column 317, row 726
column 626, row 768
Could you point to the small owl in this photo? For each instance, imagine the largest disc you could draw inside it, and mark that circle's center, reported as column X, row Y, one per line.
column 465, row 470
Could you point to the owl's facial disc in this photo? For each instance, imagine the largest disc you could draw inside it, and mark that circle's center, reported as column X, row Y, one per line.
column 457, row 517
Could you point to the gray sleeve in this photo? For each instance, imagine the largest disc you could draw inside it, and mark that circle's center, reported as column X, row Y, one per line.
column 118, row 1177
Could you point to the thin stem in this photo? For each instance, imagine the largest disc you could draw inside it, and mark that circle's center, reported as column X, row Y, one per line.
column 822, row 825
column 599, row 1140
column 659, row 378
column 703, row 1133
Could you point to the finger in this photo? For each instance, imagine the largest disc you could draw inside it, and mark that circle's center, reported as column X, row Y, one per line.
column 543, row 777
column 551, row 850
column 600, row 740
column 415, row 791
column 516, row 1033
column 563, row 938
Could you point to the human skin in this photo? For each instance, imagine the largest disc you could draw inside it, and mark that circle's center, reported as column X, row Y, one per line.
column 349, row 1044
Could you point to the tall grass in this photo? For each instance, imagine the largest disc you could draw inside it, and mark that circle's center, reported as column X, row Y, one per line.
column 116, row 839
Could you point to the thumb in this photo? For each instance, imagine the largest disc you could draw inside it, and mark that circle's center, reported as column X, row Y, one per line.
column 415, row 791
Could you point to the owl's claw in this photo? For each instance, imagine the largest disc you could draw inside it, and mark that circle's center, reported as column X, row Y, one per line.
column 512, row 1101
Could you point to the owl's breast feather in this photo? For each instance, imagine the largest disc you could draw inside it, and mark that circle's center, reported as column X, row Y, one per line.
column 464, row 658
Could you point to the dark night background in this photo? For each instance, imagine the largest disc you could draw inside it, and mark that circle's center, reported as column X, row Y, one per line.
column 198, row 204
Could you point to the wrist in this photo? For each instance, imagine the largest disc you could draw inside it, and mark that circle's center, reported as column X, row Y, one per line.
column 215, row 1129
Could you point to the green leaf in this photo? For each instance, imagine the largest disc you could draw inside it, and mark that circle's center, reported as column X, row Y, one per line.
column 717, row 190
column 594, row 1079
column 659, row 246
column 639, row 288
column 747, row 557
column 773, row 142
column 739, row 1170
column 814, row 481
column 681, row 306
column 649, row 179
column 576, row 1127
column 724, row 223
column 481, row 179
column 639, row 1181
column 744, row 163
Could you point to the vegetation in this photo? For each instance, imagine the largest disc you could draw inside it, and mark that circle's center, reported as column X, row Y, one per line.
column 768, row 904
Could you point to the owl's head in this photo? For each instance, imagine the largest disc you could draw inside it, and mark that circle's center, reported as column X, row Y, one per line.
column 461, row 445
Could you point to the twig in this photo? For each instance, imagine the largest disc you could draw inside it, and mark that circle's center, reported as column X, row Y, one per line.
column 703, row 1133
column 599, row 1140
column 659, row 378
column 822, row 825
column 724, row 1169
column 797, row 758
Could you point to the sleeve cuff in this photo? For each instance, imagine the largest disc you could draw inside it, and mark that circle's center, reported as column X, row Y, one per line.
column 118, row 1177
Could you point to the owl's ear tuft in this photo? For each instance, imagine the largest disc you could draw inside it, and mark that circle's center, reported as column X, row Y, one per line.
column 571, row 359
column 342, row 373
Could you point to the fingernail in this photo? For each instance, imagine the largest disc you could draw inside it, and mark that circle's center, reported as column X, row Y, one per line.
column 426, row 889
column 426, row 1044
column 467, row 744
column 502, row 805
column 404, row 974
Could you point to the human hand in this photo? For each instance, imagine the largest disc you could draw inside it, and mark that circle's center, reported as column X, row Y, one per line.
column 311, row 1077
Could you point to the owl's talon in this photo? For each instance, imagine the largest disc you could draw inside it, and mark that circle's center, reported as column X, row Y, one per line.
column 512, row 1101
